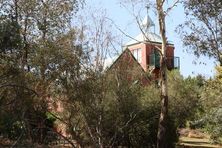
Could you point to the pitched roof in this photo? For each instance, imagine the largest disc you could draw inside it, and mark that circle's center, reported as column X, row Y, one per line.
column 122, row 54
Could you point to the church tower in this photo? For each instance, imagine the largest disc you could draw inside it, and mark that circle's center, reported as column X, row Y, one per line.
column 144, row 48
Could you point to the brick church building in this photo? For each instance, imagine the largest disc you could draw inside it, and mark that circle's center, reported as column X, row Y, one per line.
column 143, row 51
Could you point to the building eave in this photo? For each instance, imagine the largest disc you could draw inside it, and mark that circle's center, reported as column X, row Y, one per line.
column 148, row 42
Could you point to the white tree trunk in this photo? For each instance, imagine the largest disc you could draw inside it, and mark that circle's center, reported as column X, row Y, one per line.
column 162, row 128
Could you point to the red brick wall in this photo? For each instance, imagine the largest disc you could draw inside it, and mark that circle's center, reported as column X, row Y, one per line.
column 147, row 50
column 143, row 47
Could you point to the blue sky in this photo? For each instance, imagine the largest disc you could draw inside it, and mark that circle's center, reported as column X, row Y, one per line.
column 124, row 20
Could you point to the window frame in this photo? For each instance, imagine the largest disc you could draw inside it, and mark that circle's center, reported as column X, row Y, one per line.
column 137, row 53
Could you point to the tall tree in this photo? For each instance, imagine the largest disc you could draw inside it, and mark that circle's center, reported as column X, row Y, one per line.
column 202, row 31
column 37, row 47
column 161, row 140
column 162, row 129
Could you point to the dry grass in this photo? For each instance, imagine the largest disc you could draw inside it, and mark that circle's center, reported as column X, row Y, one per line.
column 197, row 142
column 195, row 139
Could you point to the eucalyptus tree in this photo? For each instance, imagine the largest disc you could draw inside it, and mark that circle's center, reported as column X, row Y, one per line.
column 37, row 46
column 202, row 31
column 162, row 9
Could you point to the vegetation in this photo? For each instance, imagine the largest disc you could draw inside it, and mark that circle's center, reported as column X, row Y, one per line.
column 210, row 98
column 202, row 30
column 46, row 63
column 202, row 33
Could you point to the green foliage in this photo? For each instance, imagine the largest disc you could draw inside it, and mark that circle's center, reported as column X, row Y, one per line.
column 33, row 66
column 184, row 97
column 211, row 102
column 10, row 39
column 121, row 112
column 43, row 58
column 201, row 31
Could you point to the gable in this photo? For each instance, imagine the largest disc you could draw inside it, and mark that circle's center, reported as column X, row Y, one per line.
column 126, row 68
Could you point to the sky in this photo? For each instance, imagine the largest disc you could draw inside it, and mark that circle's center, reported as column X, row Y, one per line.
column 124, row 20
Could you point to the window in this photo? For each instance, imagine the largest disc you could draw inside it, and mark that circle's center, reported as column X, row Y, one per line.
column 137, row 53
column 154, row 58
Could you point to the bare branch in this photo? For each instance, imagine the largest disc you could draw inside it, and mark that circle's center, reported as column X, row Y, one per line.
column 129, row 36
column 141, row 29
column 159, row 50
column 132, row 117
column 124, row 33
column 15, row 85
column 20, row 136
column 171, row 7
column 65, row 138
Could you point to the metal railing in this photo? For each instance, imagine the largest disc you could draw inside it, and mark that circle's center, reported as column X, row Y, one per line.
column 172, row 62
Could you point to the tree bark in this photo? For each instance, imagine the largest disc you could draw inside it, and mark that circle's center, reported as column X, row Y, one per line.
column 162, row 127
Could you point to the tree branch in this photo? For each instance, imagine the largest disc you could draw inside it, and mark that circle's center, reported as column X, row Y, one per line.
column 171, row 7
column 15, row 85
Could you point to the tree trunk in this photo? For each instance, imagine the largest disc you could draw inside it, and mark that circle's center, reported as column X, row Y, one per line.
column 162, row 127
